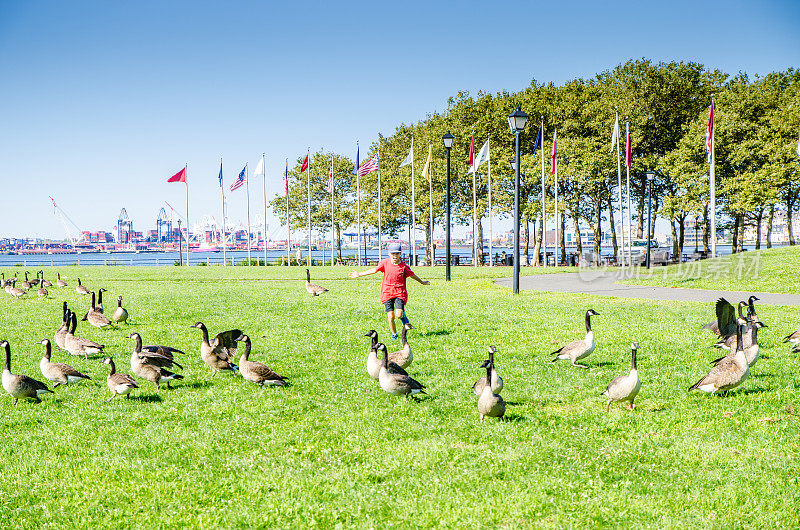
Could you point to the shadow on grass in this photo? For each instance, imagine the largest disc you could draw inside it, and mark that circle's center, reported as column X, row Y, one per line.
column 437, row 333
column 514, row 418
column 193, row 385
column 150, row 398
column 602, row 364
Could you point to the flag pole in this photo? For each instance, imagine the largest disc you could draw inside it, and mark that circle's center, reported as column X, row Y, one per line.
column 489, row 183
column 430, row 208
column 555, row 163
column 713, row 187
column 380, row 248
column 544, row 214
column 264, row 175
column 247, row 189
column 413, row 209
column 308, row 185
column 619, row 187
column 222, row 193
column 628, row 192
column 333, row 227
column 188, row 228
column 288, row 226
column 474, row 210
column 358, row 201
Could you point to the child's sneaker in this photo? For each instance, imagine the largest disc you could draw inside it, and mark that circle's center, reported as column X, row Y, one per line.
column 394, row 336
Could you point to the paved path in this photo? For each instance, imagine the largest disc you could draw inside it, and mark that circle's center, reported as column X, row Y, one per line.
column 604, row 283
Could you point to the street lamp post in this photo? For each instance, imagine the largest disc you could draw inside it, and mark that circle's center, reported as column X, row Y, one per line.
column 650, row 176
column 180, row 242
column 447, row 140
column 516, row 122
column 695, row 234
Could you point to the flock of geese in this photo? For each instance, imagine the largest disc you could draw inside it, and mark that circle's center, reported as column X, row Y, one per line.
column 152, row 363
column 737, row 332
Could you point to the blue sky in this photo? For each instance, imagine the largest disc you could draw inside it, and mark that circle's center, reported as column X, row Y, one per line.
column 102, row 101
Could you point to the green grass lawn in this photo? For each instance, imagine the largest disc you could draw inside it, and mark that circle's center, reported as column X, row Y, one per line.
column 334, row 449
column 774, row 271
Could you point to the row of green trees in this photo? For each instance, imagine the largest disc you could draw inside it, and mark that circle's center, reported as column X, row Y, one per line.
column 666, row 105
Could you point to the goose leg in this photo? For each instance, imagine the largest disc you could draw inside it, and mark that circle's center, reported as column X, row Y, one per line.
column 112, row 397
column 608, row 404
column 16, row 400
column 579, row 365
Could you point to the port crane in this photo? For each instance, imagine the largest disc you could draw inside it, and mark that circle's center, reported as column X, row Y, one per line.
column 124, row 223
column 64, row 218
column 163, row 220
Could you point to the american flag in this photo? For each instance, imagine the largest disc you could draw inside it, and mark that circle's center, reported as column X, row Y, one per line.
column 627, row 146
column 553, row 156
column 330, row 178
column 710, row 132
column 239, row 182
column 369, row 166
column 286, row 179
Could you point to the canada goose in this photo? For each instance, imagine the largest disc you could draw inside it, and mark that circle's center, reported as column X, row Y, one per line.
column 34, row 282
column 120, row 313
column 497, row 381
column 26, row 284
column 152, row 366
column 58, row 373
column 99, row 306
column 396, row 384
column 624, row 387
column 60, row 282
column 62, row 329
column 79, row 345
column 793, row 338
column 82, row 289
column 751, row 308
column 15, row 291
column 489, row 403
column 404, row 356
column 20, row 386
column 576, row 350
column 729, row 373
column 749, row 341
column 729, row 343
column 374, row 364
column 42, row 290
column 725, row 324
column 45, row 283
column 313, row 288
column 119, row 384
column 95, row 317
column 257, row 372
column 219, row 353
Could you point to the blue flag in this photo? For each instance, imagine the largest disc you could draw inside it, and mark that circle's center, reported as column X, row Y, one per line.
column 355, row 169
column 220, row 173
column 538, row 143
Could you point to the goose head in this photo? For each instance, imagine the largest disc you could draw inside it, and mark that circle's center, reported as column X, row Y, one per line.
column 371, row 334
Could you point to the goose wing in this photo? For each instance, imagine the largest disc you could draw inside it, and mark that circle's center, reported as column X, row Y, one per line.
column 724, row 373
column 86, row 343
column 68, row 370
column 123, row 379
column 98, row 319
column 792, row 337
column 166, row 351
column 156, row 359
column 406, row 381
column 726, row 317
column 33, row 384
column 265, row 372
column 617, row 381
column 224, row 344
column 574, row 347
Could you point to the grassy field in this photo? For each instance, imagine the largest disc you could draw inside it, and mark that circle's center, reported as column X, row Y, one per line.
column 333, row 449
column 773, row 271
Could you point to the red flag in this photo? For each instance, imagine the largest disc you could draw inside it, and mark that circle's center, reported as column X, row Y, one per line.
column 472, row 150
column 710, row 131
column 304, row 167
column 330, row 178
column 553, row 157
column 180, row 176
column 628, row 148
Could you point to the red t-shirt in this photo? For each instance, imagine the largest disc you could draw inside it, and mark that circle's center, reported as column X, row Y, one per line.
column 394, row 280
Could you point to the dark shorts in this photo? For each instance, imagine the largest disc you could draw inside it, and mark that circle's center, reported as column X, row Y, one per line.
column 393, row 303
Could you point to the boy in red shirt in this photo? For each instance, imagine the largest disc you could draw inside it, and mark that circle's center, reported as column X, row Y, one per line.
column 394, row 295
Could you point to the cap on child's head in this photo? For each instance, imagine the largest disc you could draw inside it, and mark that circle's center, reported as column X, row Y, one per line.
column 394, row 248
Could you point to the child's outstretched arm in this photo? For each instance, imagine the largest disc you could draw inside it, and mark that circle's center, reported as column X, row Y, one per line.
column 420, row 280
column 356, row 274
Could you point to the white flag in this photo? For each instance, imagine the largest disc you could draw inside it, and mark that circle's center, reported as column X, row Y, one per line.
column 410, row 158
column 615, row 132
column 483, row 156
column 259, row 168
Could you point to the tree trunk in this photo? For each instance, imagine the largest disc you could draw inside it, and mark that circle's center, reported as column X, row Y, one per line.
column 428, row 260
column 705, row 230
column 479, row 228
column 759, row 218
column 789, row 207
column 674, row 232
column 653, row 218
column 597, row 230
column 770, row 218
column 613, row 228
column 576, row 226
column 740, row 239
column 640, row 208
column 526, row 234
column 735, row 233
column 537, row 246
column 681, row 233
column 338, row 230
